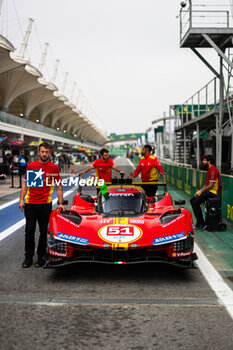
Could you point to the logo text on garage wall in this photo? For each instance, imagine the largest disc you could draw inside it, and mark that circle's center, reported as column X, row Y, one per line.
column 120, row 233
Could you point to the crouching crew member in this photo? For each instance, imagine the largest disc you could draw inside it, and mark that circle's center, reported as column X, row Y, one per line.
column 209, row 190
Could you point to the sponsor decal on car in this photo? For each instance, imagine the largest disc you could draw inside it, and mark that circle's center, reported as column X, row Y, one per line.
column 52, row 252
column 173, row 221
column 105, row 221
column 67, row 220
column 184, row 253
column 120, row 233
column 74, row 239
column 121, row 194
column 136, row 221
column 167, row 239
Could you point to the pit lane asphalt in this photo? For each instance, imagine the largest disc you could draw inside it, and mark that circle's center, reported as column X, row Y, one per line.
column 88, row 306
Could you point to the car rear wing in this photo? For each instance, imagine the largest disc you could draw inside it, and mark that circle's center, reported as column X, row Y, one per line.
column 144, row 184
column 128, row 181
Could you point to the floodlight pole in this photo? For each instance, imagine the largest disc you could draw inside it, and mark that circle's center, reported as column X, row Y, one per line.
column 43, row 57
column 1, row 2
column 78, row 98
column 198, row 146
column 73, row 90
column 24, row 43
column 190, row 13
column 220, row 117
column 64, row 83
column 54, row 75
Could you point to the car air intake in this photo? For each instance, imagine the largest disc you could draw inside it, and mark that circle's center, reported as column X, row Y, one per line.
column 169, row 216
column 72, row 216
column 87, row 198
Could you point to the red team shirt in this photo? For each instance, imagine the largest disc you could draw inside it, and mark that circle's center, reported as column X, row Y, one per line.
column 103, row 169
column 213, row 175
column 42, row 195
column 149, row 167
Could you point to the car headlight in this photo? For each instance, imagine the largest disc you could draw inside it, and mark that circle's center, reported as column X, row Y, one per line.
column 55, row 244
column 184, row 244
column 50, row 239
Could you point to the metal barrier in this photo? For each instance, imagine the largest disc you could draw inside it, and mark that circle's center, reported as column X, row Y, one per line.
column 171, row 162
column 192, row 16
column 190, row 180
column 12, row 177
column 204, row 100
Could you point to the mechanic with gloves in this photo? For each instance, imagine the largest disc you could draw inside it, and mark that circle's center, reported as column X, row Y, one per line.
column 103, row 166
column 38, row 185
column 209, row 190
column 150, row 169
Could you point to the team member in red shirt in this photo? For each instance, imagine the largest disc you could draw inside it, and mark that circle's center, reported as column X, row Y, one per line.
column 38, row 185
column 150, row 169
column 209, row 190
column 103, row 166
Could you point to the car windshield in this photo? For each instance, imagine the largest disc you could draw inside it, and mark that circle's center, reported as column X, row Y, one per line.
column 123, row 202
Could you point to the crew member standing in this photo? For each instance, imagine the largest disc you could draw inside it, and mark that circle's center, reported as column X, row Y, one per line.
column 103, row 166
column 38, row 185
column 209, row 190
column 150, row 169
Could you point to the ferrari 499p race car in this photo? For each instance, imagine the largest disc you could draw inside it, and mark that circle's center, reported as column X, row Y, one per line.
column 123, row 227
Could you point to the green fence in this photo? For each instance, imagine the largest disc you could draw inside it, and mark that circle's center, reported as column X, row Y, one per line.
column 190, row 180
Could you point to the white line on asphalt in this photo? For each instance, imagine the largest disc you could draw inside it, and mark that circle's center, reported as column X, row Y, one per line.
column 215, row 281
column 11, row 229
column 20, row 223
column 9, row 203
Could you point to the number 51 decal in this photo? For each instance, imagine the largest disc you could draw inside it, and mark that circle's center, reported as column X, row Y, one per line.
column 120, row 231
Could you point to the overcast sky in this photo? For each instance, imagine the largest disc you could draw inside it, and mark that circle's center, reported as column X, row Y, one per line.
column 123, row 54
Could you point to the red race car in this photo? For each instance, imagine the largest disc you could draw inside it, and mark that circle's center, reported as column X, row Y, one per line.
column 120, row 227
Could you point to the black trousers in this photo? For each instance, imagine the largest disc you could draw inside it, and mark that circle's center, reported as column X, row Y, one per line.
column 196, row 205
column 36, row 213
column 150, row 190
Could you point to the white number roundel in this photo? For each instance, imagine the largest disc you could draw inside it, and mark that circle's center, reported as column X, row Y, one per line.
column 120, row 233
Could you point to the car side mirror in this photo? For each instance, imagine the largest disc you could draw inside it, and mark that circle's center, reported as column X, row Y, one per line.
column 179, row 202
